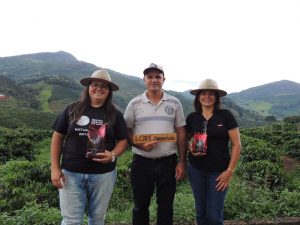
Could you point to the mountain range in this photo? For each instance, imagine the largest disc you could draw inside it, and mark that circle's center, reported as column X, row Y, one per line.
column 280, row 98
column 46, row 82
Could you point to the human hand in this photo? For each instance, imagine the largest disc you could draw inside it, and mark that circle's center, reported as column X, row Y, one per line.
column 148, row 146
column 224, row 180
column 180, row 171
column 103, row 157
column 57, row 178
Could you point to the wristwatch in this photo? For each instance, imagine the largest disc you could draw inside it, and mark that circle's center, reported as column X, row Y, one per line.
column 113, row 157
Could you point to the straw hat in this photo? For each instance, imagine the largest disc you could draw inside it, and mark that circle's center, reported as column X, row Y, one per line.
column 208, row 84
column 100, row 76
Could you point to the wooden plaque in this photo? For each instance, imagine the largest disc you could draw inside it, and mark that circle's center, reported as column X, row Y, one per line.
column 143, row 138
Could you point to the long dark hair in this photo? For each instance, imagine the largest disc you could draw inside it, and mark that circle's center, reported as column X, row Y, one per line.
column 217, row 104
column 77, row 108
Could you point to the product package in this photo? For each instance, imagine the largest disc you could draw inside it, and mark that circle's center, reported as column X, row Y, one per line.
column 96, row 139
column 199, row 140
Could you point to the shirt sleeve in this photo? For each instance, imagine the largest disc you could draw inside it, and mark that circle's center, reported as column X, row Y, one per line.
column 179, row 117
column 129, row 115
column 188, row 123
column 61, row 123
column 231, row 122
column 120, row 127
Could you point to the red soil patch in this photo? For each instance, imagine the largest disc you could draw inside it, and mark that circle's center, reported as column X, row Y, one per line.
column 3, row 97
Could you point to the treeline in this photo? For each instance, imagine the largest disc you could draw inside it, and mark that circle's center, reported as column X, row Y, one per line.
column 60, row 80
column 17, row 117
column 25, row 94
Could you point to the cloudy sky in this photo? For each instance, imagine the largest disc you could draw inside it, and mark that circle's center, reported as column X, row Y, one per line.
column 240, row 44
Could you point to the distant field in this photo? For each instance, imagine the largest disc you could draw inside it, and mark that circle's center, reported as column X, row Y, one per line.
column 259, row 106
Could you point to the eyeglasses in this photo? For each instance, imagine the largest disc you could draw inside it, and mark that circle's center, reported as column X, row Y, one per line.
column 99, row 85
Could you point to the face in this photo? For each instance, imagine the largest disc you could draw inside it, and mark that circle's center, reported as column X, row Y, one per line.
column 154, row 80
column 207, row 98
column 98, row 91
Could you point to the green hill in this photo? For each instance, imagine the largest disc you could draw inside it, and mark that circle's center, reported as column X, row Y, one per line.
column 281, row 99
column 47, row 82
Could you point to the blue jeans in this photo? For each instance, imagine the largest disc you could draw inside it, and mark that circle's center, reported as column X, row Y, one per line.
column 209, row 202
column 85, row 192
column 147, row 175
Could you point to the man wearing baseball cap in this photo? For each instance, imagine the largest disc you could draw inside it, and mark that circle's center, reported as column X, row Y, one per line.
column 155, row 164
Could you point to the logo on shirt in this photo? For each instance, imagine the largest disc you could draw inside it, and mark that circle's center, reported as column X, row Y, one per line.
column 83, row 121
column 169, row 110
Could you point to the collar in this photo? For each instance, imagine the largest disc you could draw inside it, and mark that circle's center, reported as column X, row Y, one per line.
column 145, row 99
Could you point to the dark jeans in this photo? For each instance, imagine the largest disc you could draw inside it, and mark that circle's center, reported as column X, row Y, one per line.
column 147, row 175
column 209, row 202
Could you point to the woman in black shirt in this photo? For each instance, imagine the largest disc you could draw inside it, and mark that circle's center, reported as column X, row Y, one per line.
column 211, row 166
column 94, row 134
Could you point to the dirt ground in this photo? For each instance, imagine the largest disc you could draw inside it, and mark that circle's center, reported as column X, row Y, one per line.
column 277, row 221
column 290, row 163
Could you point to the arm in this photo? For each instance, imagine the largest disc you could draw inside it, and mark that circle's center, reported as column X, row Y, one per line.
column 181, row 145
column 56, row 173
column 234, row 136
column 225, row 177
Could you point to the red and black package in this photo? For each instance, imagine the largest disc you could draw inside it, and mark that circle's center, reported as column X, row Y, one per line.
column 200, row 142
column 96, row 139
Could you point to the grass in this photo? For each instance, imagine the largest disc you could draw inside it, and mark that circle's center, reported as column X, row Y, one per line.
column 260, row 106
column 45, row 94
column 44, row 147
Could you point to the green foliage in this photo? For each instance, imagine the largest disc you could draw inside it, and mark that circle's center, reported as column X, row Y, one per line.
column 263, row 173
column 255, row 149
column 293, row 180
column 43, row 64
column 60, row 92
column 122, row 192
column 245, row 202
column 12, row 117
column 288, row 203
column 25, row 94
column 261, row 164
column 281, row 98
column 259, row 189
column 292, row 119
column 43, row 97
column 270, row 119
column 19, row 143
column 292, row 148
column 22, row 182
column 44, row 149
column 37, row 214
column 184, row 203
column 281, row 137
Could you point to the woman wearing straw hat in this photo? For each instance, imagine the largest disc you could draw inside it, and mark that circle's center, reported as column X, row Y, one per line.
column 210, row 165
column 92, row 124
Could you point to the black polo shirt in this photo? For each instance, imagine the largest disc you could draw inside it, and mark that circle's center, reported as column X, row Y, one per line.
column 217, row 157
